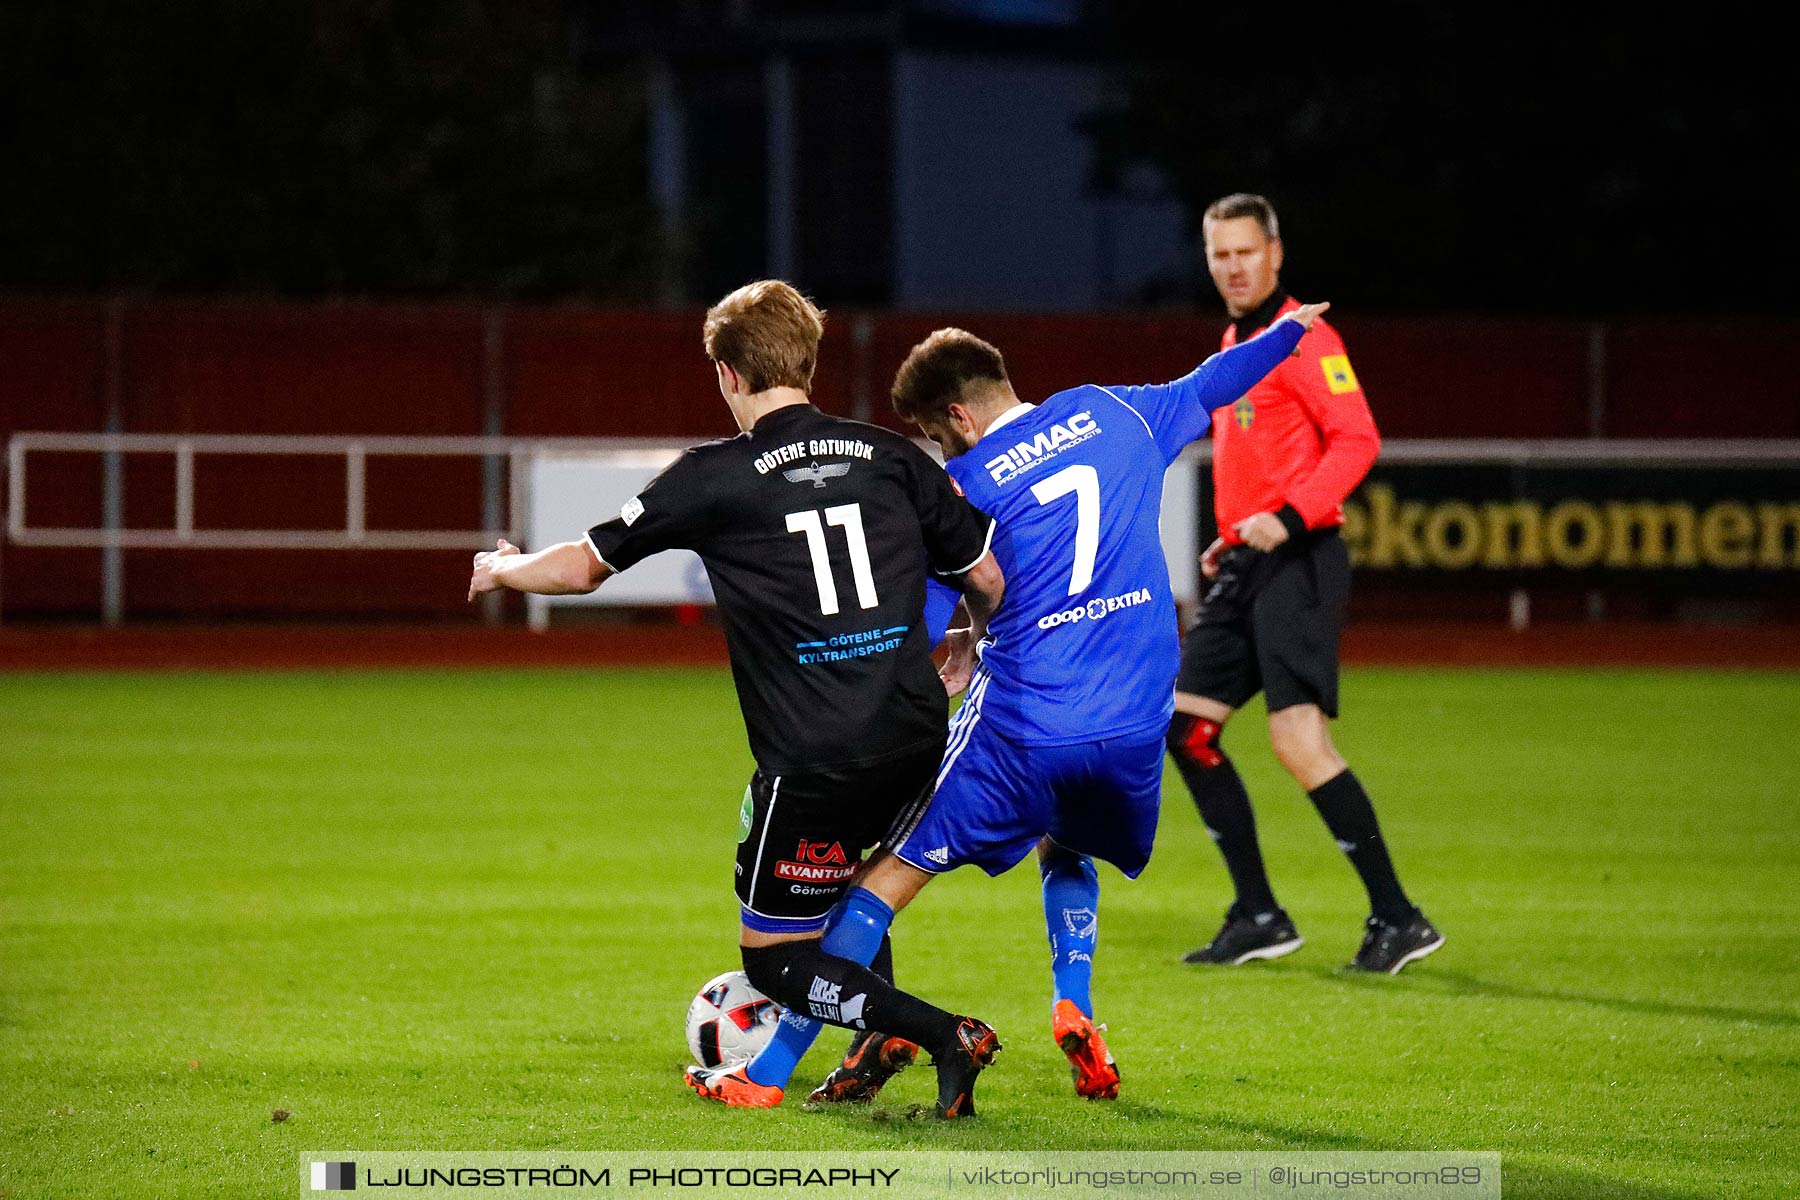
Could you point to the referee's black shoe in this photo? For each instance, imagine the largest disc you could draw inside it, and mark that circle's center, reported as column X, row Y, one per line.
column 1387, row 947
column 1245, row 937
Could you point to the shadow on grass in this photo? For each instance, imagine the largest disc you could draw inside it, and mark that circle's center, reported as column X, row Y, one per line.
column 1296, row 1137
column 1457, row 983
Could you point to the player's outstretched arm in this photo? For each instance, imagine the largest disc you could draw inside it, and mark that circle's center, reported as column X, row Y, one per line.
column 1180, row 412
column 565, row 569
column 1305, row 314
column 1221, row 379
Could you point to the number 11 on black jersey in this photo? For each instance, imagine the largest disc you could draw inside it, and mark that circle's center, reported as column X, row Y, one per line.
column 849, row 518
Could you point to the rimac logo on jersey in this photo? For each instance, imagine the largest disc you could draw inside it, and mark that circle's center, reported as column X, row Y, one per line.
column 1046, row 445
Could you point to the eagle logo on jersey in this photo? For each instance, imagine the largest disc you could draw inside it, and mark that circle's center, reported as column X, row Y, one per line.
column 1245, row 412
column 814, row 474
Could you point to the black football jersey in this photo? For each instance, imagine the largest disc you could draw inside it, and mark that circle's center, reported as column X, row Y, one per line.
column 817, row 534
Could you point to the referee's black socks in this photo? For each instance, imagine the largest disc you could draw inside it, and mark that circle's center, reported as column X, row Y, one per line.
column 1351, row 819
column 1224, row 806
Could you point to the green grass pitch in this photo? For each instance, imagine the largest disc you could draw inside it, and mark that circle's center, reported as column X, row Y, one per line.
column 460, row 910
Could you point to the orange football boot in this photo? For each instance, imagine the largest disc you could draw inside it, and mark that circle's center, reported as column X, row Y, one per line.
column 1096, row 1074
column 729, row 1085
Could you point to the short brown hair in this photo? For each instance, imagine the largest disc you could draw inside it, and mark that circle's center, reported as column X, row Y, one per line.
column 768, row 333
column 940, row 372
column 1245, row 204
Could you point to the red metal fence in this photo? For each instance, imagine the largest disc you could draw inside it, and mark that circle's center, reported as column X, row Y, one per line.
column 356, row 368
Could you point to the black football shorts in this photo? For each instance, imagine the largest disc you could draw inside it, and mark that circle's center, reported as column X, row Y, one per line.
column 801, row 837
column 1270, row 624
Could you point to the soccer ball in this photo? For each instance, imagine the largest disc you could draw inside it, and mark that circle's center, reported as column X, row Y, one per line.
column 730, row 1021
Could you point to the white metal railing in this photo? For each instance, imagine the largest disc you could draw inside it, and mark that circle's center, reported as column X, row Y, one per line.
column 355, row 451
column 507, row 500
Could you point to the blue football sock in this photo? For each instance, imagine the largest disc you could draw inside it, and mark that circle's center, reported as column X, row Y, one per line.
column 853, row 930
column 861, row 921
column 1071, row 913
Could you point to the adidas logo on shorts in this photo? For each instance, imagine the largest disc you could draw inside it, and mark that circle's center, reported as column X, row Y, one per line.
column 941, row 855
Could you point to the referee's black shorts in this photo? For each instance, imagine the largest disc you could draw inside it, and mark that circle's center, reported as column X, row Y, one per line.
column 1270, row 624
column 801, row 836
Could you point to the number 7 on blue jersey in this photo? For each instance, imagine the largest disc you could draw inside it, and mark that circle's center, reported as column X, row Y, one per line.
column 1084, row 481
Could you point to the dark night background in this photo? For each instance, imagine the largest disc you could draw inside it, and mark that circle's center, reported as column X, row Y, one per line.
column 1600, row 161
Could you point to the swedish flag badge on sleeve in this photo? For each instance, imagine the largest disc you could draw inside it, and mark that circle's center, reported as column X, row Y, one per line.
column 1338, row 375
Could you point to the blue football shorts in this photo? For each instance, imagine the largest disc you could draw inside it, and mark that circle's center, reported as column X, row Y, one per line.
column 995, row 799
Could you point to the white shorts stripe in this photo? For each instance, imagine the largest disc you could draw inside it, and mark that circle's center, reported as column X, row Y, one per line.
column 768, row 820
column 909, row 818
column 965, row 729
column 964, row 724
column 961, row 730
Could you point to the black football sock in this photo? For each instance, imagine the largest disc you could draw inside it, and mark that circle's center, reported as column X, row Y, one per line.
column 883, row 965
column 1351, row 819
column 883, row 962
column 837, row 991
column 1224, row 806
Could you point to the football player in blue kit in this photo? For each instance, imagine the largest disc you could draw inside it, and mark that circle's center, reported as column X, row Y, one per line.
column 1059, row 743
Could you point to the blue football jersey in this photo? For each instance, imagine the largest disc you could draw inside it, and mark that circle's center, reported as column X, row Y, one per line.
column 1085, row 643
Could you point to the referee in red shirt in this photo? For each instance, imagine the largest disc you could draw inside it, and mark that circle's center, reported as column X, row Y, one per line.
column 1284, row 458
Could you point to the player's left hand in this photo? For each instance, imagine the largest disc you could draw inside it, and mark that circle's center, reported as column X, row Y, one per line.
column 1264, row 531
column 482, row 581
column 959, row 668
column 1303, row 316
